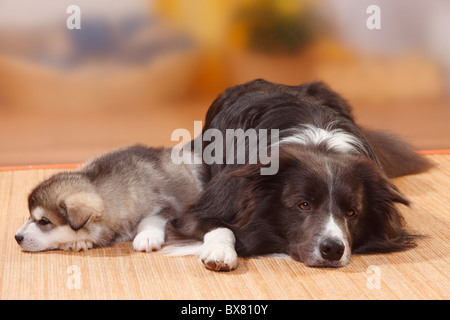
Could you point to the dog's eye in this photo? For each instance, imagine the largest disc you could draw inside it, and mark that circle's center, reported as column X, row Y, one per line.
column 43, row 222
column 304, row 205
column 350, row 213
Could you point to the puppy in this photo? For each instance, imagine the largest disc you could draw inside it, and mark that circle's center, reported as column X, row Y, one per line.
column 123, row 195
column 331, row 196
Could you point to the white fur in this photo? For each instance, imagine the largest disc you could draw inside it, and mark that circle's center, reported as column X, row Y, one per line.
column 278, row 256
column 193, row 248
column 333, row 231
column 335, row 139
column 217, row 251
column 150, row 234
column 38, row 213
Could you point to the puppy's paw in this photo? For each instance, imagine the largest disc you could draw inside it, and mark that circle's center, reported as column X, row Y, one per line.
column 148, row 241
column 219, row 257
column 77, row 245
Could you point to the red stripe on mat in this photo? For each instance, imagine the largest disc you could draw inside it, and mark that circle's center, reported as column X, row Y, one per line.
column 77, row 165
column 431, row 152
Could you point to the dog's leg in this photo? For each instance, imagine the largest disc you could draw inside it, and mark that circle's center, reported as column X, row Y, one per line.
column 150, row 233
column 218, row 251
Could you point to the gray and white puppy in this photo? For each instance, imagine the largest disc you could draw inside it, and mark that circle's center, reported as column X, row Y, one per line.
column 127, row 194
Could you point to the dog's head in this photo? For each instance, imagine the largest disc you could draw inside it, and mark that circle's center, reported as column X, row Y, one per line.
column 60, row 209
column 324, row 206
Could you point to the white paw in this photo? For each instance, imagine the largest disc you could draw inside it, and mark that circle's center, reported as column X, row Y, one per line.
column 218, row 251
column 219, row 257
column 148, row 241
column 77, row 245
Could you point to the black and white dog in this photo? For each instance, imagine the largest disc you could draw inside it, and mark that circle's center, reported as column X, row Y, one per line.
column 330, row 197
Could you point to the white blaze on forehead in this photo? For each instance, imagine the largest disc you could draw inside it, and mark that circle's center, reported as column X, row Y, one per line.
column 335, row 139
column 38, row 213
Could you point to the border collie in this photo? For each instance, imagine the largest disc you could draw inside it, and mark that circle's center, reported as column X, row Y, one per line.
column 331, row 196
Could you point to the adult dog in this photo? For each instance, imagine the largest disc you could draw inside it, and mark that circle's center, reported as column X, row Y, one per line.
column 330, row 197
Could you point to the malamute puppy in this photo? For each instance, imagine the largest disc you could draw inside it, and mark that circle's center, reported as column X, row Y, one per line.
column 123, row 195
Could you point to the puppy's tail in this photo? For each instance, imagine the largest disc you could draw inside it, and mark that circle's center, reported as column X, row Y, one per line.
column 396, row 157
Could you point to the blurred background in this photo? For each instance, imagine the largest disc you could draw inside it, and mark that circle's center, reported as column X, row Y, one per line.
column 139, row 69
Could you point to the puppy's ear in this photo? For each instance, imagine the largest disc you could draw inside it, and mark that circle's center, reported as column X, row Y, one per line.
column 81, row 207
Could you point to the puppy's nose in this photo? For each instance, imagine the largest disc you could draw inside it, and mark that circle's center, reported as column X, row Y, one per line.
column 332, row 249
column 18, row 238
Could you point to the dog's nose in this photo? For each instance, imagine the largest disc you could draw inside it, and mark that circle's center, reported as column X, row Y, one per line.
column 332, row 249
column 18, row 238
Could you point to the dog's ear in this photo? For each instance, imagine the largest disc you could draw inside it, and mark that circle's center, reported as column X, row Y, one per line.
column 324, row 95
column 383, row 224
column 378, row 186
column 82, row 207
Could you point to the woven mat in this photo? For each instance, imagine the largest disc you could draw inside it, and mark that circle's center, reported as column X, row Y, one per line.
column 120, row 273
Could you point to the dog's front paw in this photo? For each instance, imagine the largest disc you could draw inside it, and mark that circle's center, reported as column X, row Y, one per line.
column 218, row 251
column 77, row 246
column 219, row 257
column 148, row 241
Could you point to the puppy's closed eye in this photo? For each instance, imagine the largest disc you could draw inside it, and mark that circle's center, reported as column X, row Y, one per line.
column 43, row 222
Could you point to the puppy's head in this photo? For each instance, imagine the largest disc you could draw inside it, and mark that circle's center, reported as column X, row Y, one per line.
column 322, row 207
column 60, row 209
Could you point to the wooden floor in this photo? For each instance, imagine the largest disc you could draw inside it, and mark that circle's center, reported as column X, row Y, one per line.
column 120, row 273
